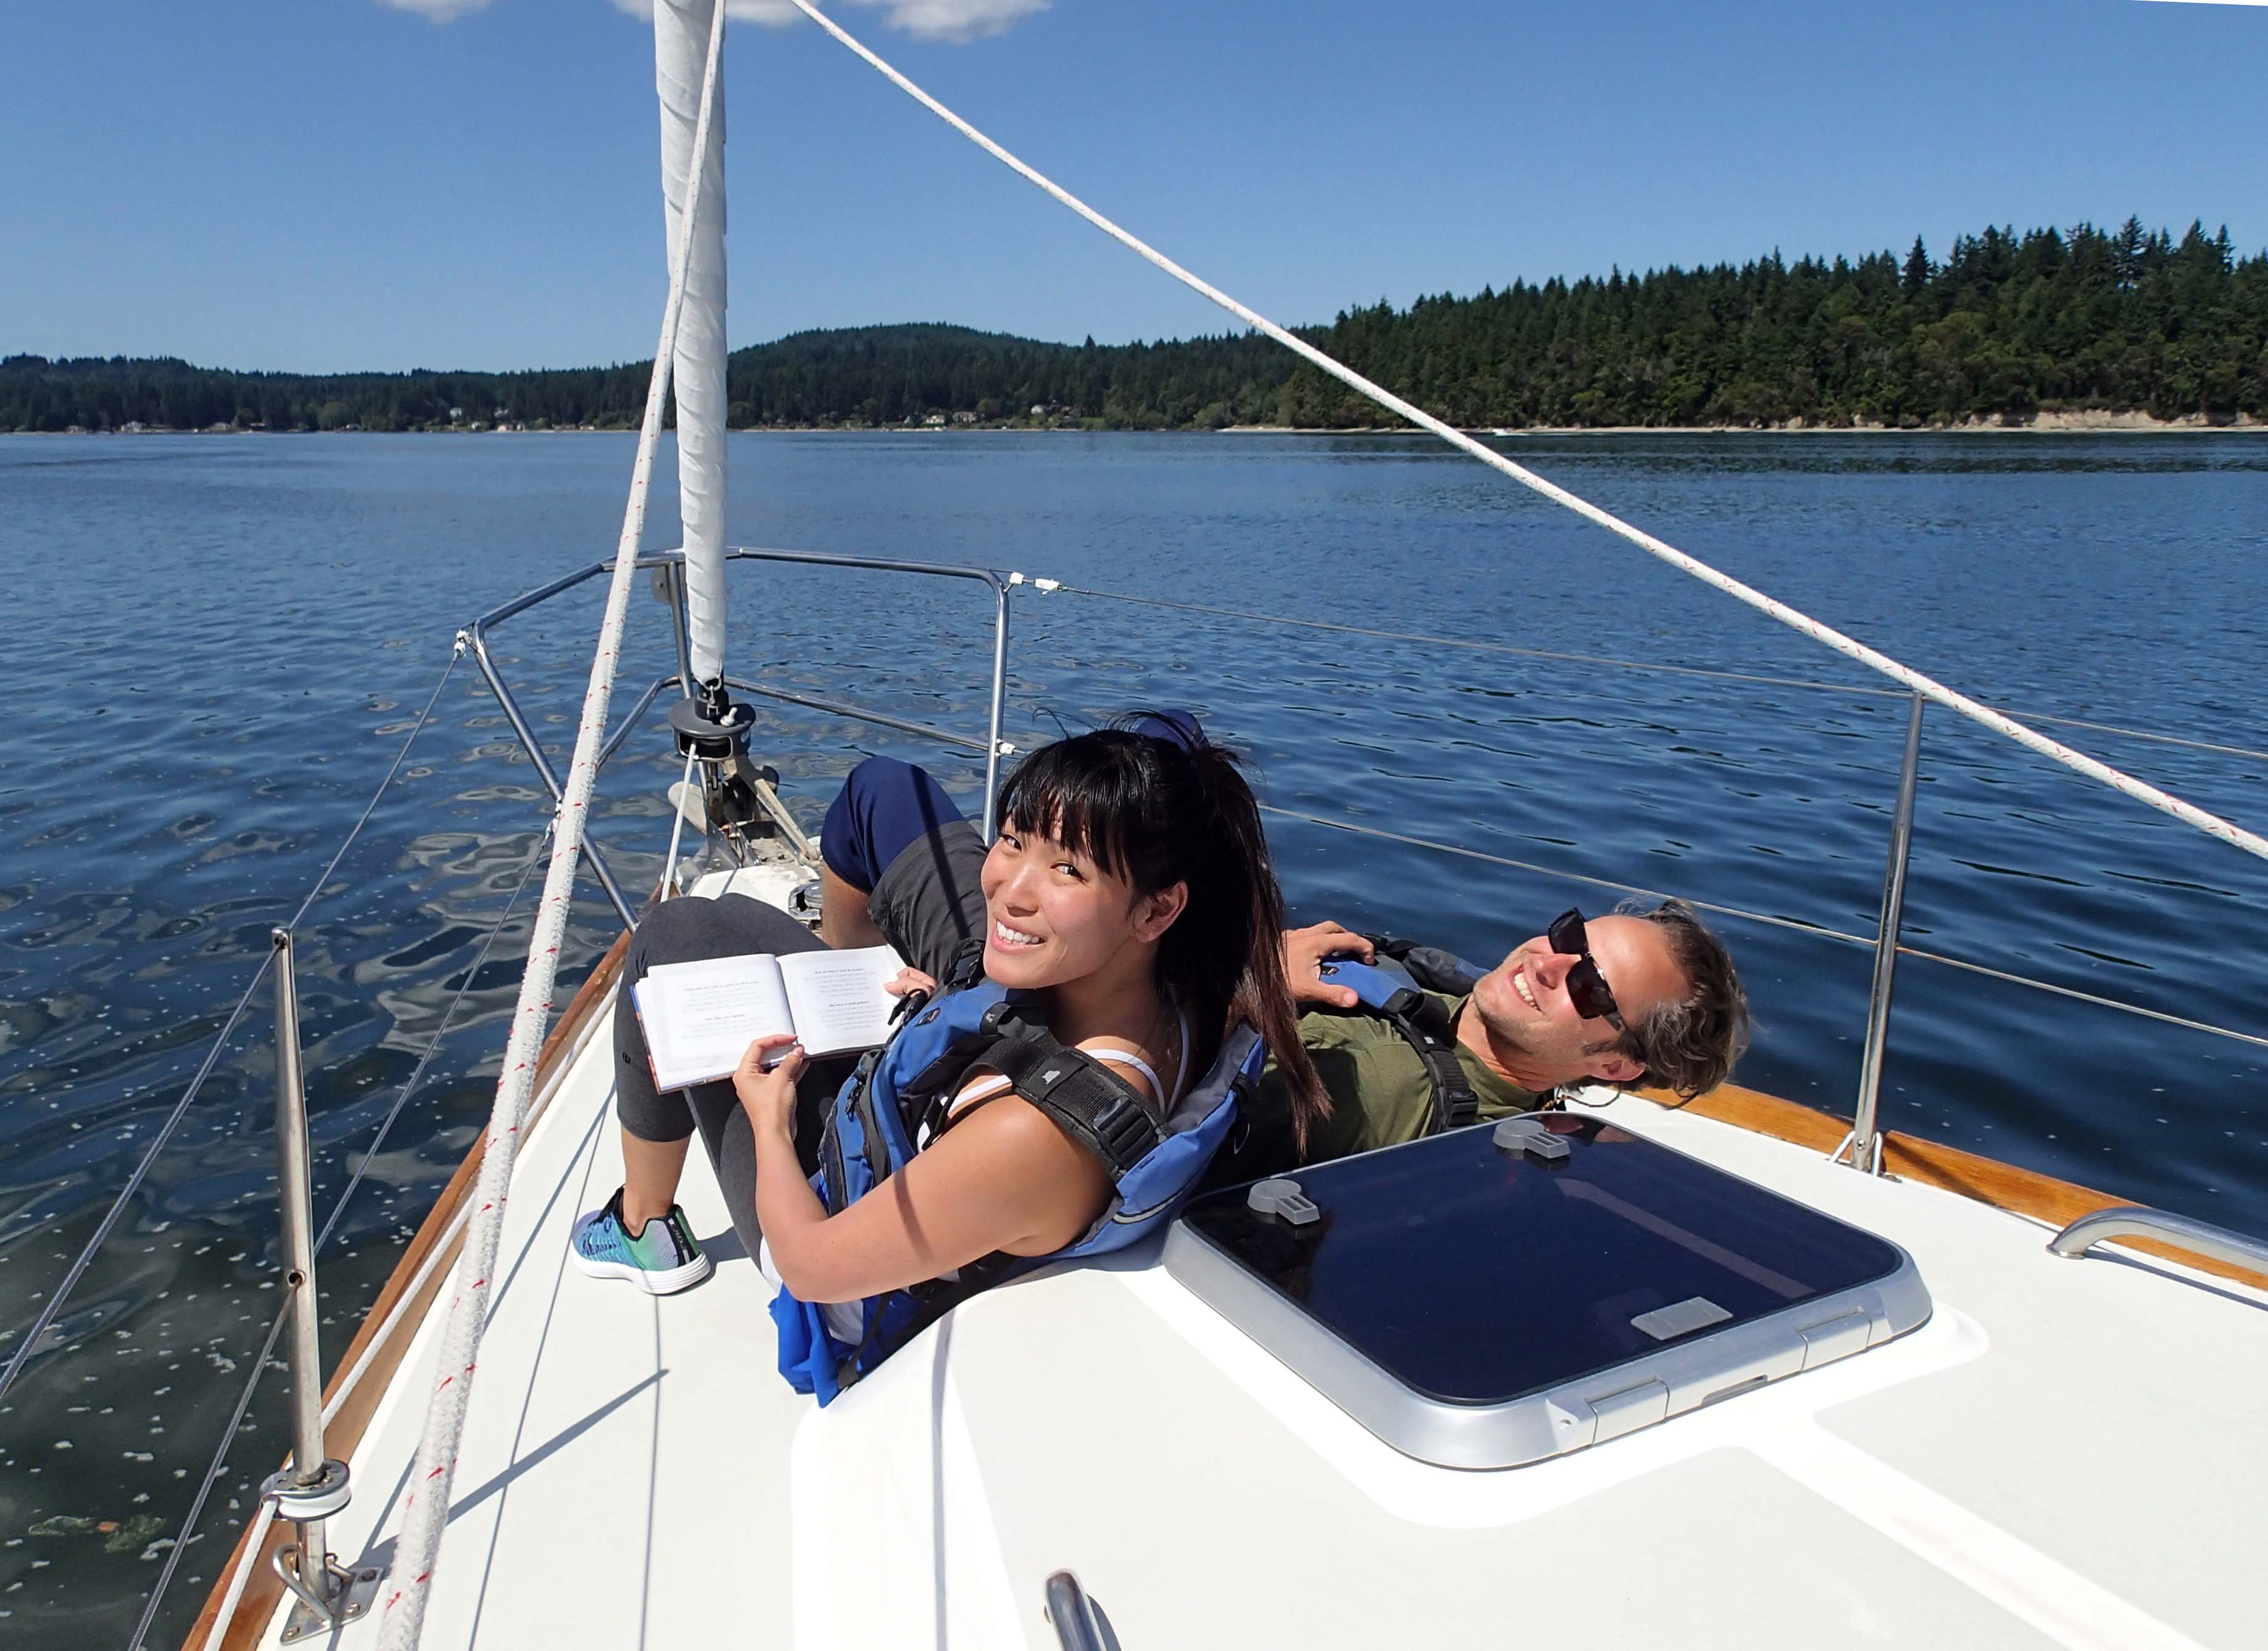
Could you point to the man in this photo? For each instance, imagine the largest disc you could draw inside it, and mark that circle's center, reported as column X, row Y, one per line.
column 1640, row 997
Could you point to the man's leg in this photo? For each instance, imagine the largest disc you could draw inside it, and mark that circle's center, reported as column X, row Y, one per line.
column 902, row 862
column 843, row 921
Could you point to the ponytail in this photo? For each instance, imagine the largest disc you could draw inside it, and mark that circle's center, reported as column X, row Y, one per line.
column 1262, row 997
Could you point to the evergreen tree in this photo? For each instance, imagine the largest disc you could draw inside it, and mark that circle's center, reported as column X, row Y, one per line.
column 2009, row 324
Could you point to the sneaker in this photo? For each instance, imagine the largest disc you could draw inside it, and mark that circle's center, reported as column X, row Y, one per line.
column 660, row 1261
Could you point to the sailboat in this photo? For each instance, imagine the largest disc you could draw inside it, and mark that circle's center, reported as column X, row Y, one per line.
column 1725, row 1373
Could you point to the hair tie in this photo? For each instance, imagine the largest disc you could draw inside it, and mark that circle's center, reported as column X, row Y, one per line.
column 1176, row 727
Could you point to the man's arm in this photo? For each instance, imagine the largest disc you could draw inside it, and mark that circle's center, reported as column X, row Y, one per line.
column 1305, row 951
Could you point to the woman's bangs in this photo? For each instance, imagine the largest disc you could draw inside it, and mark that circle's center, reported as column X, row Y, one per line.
column 1081, row 805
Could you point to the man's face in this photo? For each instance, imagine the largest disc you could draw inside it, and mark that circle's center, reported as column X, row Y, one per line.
column 1534, row 1029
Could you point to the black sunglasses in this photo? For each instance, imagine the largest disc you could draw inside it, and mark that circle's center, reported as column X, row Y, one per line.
column 1587, row 987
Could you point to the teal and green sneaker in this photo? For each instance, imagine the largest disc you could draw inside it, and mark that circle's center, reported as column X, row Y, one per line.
column 661, row 1261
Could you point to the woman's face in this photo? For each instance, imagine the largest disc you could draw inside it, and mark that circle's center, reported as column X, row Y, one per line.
column 1055, row 917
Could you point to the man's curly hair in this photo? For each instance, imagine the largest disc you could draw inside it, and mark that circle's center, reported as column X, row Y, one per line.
column 1689, row 1046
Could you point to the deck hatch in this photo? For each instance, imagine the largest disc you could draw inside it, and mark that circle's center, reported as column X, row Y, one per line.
column 1478, row 1307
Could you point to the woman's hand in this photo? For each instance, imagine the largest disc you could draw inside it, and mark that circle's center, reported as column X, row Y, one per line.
column 907, row 982
column 768, row 1092
column 1305, row 951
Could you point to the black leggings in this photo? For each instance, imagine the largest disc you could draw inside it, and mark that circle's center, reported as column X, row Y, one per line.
column 892, row 831
column 682, row 932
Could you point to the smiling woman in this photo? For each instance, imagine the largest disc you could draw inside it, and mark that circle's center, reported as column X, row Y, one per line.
column 1124, row 928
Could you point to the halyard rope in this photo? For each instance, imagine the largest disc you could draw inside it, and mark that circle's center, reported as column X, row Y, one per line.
column 1929, row 688
column 426, row 1506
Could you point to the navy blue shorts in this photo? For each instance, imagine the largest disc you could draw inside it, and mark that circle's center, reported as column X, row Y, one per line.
column 883, row 808
column 893, row 833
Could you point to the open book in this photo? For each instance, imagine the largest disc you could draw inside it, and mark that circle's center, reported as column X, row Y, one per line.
column 701, row 1017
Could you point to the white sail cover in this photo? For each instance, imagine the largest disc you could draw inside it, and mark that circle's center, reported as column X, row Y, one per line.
column 681, row 46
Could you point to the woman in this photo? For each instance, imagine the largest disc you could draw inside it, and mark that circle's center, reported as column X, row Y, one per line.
column 1128, row 893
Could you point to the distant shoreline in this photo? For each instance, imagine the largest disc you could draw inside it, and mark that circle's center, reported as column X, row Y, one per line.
column 2046, row 423
column 2050, row 423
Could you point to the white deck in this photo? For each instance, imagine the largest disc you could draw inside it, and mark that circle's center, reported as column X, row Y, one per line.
column 2069, row 1453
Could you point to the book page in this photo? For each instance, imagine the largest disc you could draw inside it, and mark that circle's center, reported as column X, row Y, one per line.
column 701, row 1017
column 838, row 998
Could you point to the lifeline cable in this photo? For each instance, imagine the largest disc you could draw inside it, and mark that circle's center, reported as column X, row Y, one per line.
column 432, row 1048
column 1657, row 667
column 426, row 1504
column 1928, row 687
column 22, row 1357
column 1816, row 929
column 182, row 1537
column 213, row 1471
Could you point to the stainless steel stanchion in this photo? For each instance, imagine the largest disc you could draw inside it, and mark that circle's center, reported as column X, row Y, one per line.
column 1862, row 1148
column 310, row 1488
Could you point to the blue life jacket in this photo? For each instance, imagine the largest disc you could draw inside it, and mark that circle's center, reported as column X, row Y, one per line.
column 1425, row 1025
column 895, row 1104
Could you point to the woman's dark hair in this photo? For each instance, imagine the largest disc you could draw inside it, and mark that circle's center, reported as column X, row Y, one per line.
column 1157, row 808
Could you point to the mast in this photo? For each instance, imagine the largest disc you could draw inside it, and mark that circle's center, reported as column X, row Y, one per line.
column 681, row 30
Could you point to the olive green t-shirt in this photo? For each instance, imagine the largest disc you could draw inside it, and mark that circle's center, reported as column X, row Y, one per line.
column 1380, row 1095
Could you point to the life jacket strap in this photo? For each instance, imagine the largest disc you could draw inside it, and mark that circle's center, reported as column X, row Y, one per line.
column 1086, row 1100
column 1425, row 1026
column 1429, row 966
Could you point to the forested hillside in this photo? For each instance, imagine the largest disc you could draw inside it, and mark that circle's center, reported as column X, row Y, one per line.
column 2005, row 326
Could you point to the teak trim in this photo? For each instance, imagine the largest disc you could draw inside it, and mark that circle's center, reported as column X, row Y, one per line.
column 2001, row 1186
column 344, row 1432
column 1931, row 1163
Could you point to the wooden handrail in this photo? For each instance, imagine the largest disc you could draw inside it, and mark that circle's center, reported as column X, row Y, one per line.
column 1933, row 1163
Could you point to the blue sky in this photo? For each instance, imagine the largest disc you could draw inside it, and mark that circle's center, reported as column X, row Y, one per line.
column 389, row 183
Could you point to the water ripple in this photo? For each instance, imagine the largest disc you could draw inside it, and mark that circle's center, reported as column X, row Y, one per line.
column 268, row 613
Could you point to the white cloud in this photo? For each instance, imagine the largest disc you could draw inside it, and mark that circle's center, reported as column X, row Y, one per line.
column 774, row 14
column 954, row 21
column 957, row 20
column 439, row 11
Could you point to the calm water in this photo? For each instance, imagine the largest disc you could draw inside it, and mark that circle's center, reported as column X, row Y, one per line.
column 214, row 648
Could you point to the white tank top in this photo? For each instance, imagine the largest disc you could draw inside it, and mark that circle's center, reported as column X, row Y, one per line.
column 985, row 1089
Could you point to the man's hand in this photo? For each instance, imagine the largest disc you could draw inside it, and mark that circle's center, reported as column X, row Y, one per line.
column 908, row 981
column 1303, row 952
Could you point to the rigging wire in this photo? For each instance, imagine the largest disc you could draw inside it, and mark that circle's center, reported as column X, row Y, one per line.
column 213, row 1471
column 22, row 1358
column 255, row 1540
column 456, row 653
column 432, row 1047
column 1660, row 666
column 1819, row 930
column 267, row 1349
column 1928, row 687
